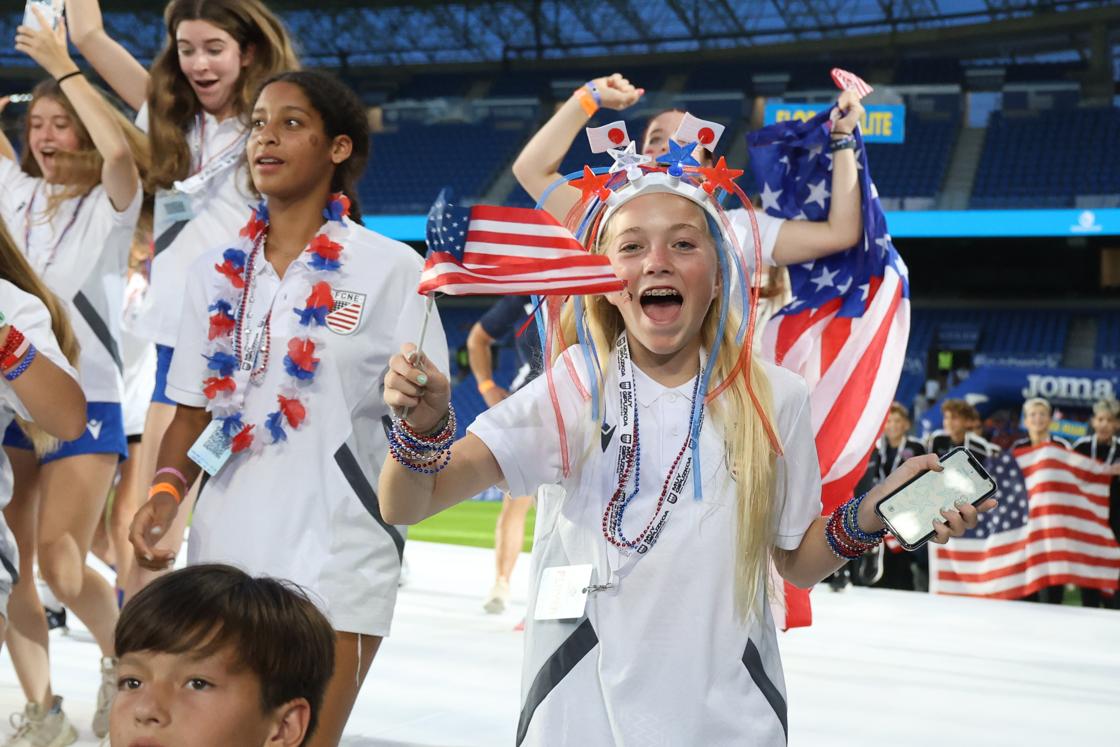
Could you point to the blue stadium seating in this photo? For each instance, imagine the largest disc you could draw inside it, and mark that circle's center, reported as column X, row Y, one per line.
column 1047, row 158
column 915, row 168
column 1108, row 341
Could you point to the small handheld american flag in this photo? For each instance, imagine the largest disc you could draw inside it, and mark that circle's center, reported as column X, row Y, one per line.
column 850, row 82
column 489, row 250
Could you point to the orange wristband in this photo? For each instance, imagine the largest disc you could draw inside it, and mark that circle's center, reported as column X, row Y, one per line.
column 586, row 101
column 485, row 386
column 166, row 487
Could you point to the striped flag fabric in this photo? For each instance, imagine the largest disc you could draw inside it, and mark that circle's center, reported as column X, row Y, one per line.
column 1050, row 528
column 846, row 328
column 490, row 250
column 850, row 82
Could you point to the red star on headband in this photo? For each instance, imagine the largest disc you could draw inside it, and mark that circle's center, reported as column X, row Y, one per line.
column 719, row 176
column 592, row 184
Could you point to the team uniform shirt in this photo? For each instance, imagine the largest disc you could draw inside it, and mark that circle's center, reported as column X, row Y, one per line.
column 305, row 509
column 941, row 443
column 1099, row 449
column 218, row 209
column 81, row 255
column 139, row 358
column 1026, row 441
column 661, row 657
column 885, row 459
column 28, row 314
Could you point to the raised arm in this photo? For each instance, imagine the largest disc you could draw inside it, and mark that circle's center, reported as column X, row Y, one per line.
column 538, row 164
column 406, row 496
column 112, row 61
column 803, row 241
column 119, row 174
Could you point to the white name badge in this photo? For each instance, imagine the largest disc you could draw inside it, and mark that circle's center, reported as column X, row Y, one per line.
column 212, row 449
column 172, row 206
column 562, row 594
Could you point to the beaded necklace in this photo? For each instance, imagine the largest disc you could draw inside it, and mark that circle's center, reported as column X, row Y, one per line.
column 232, row 365
column 629, row 461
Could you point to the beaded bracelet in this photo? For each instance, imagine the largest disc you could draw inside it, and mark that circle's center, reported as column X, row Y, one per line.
column 13, row 341
column 845, row 537
column 13, row 359
column 426, row 453
column 16, row 372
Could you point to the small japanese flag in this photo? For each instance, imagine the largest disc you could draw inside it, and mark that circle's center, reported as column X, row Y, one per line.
column 850, row 82
column 695, row 130
column 608, row 136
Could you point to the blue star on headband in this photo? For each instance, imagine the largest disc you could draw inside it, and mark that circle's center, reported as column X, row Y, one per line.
column 678, row 157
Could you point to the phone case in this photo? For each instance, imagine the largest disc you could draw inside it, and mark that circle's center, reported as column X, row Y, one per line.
column 975, row 465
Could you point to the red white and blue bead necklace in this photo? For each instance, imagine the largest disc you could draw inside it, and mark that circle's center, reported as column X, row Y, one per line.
column 231, row 366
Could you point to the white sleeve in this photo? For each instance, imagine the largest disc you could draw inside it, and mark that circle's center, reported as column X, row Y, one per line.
column 30, row 316
column 768, row 228
column 522, row 433
column 131, row 214
column 13, row 189
column 797, row 485
column 188, row 366
column 141, row 120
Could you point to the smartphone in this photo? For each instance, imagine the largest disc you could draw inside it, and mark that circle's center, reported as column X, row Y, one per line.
column 52, row 10
column 909, row 512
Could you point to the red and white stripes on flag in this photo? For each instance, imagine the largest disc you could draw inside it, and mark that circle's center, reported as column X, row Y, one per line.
column 504, row 250
column 852, row 367
column 846, row 81
column 1053, row 532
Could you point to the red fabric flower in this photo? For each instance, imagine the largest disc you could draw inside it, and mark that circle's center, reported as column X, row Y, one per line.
column 242, row 440
column 253, row 228
column 293, row 411
column 302, row 352
column 235, row 275
column 320, row 296
column 215, row 384
column 325, row 248
column 220, row 324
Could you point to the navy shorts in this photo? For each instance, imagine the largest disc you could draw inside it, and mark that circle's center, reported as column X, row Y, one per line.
column 104, row 434
column 163, row 365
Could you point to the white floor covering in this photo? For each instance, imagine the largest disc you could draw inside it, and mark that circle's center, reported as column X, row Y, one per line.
column 877, row 667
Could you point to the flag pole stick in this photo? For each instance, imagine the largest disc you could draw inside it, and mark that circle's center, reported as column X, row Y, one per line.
column 416, row 355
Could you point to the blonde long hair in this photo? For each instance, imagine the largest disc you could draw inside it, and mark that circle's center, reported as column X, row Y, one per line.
column 172, row 104
column 15, row 268
column 79, row 171
column 748, row 449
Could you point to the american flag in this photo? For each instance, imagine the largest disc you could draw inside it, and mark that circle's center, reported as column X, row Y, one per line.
column 850, row 82
column 488, row 250
column 846, row 328
column 1050, row 528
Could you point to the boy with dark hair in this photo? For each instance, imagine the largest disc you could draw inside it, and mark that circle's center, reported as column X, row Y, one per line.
column 212, row 656
column 957, row 415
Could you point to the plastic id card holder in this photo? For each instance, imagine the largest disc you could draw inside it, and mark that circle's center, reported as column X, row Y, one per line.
column 563, row 592
column 212, row 449
column 172, row 206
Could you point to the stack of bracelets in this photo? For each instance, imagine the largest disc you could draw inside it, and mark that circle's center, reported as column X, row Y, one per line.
column 844, row 535
column 427, row 453
column 16, row 354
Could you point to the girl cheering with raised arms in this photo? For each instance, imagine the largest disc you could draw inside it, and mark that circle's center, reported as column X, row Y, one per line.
column 646, row 612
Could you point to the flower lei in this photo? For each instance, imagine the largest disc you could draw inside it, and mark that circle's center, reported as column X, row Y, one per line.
column 222, row 388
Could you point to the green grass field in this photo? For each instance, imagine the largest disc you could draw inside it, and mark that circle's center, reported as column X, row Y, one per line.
column 469, row 523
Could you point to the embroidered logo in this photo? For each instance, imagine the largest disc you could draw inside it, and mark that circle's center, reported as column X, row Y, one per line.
column 346, row 312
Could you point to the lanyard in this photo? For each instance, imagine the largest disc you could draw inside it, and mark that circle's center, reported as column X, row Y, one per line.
column 204, row 171
column 27, row 229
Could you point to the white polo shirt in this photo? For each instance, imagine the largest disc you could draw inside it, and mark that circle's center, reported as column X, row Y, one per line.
column 219, row 209
column 26, row 313
column 662, row 658
column 768, row 228
column 82, row 255
column 306, row 509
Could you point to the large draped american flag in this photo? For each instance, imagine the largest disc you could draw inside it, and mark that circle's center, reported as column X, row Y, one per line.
column 1050, row 528
column 846, row 328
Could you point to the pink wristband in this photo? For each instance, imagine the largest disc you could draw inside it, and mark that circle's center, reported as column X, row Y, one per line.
column 174, row 472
